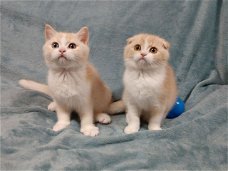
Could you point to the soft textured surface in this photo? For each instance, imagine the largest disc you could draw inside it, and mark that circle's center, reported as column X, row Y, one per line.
column 197, row 140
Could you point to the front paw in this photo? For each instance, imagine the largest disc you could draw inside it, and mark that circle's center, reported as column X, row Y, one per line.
column 103, row 118
column 60, row 125
column 154, row 127
column 90, row 130
column 130, row 129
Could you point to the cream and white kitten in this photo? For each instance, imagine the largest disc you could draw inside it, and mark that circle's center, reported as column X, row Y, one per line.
column 73, row 82
column 149, row 82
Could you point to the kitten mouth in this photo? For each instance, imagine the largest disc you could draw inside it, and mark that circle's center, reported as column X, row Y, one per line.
column 142, row 60
column 62, row 57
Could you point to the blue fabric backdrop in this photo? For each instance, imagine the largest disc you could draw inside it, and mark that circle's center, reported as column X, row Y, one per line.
column 197, row 140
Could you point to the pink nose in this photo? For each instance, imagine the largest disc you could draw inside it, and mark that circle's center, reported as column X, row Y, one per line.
column 143, row 54
column 62, row 50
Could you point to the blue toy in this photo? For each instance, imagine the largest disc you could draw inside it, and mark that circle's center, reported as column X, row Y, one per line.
column 176, row 110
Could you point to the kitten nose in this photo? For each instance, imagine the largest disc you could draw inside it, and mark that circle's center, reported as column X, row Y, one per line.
column 62, row 50
column 143, row 54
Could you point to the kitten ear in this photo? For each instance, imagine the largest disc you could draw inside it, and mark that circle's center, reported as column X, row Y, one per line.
column 165, row 44
column 83, row 35
column 49, row 32
column 129, row 40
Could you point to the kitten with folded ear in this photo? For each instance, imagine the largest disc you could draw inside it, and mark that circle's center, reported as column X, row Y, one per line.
column 73, row 83
column 149, row 83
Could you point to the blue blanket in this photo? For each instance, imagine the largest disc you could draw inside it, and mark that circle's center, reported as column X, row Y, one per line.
column 196, row 140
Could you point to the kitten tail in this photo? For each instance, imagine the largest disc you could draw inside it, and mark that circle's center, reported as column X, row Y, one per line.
column 32, row 85
column 117, row 107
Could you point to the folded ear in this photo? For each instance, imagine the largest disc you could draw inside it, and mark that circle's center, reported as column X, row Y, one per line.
column 83, row 35
column 165, row 44
column 49, row 32
column 130, row 39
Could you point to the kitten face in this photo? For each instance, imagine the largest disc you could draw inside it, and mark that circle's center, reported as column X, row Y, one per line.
column 145, row 51
column 65, row 50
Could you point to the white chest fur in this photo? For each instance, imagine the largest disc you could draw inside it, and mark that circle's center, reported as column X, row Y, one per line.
column 70, row 88
column 143, row 87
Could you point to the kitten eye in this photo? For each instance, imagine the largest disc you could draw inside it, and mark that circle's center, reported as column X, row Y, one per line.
column 137, row 47
column 55, row 45
column 153, row 50
column 72, row 46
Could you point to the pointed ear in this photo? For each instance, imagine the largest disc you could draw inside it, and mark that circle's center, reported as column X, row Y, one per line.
column 165, row 44
column 83, row 35
column 49, row 32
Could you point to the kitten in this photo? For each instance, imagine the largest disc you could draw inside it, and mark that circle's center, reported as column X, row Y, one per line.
column 149, row 82
column 73, row 82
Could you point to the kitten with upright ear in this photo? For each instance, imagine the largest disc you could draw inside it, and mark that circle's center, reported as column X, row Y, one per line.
column 49, row 32
column 149, row 83
column 73, row 83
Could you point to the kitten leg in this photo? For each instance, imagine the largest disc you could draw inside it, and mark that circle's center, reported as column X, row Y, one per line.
column 103, row 118
column 133, row 119
column 63, row 118
column 87, row 126
column 155, row 121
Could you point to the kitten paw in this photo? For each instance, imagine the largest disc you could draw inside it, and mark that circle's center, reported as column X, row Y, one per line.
column 103, row 118
column 90, row 130
column 131, row 129
column 52, row 106
column 60, row 125
column 154, row 128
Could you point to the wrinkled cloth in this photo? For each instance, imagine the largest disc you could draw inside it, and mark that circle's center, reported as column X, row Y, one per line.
column 196, row 140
